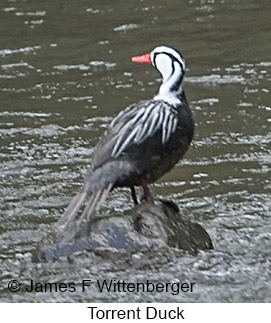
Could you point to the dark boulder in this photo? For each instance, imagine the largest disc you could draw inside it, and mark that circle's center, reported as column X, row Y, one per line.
column 147, row 226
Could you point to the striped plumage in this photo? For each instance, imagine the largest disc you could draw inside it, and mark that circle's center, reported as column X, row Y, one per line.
column 143, row 142
column 137, row 123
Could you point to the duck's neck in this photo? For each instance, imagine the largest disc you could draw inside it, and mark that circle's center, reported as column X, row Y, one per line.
column 171, row 89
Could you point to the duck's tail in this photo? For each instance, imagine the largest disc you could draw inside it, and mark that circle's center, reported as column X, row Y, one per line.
column 92, row 203
column 96, row 188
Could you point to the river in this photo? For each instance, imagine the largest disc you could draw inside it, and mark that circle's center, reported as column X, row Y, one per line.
column 65, row 71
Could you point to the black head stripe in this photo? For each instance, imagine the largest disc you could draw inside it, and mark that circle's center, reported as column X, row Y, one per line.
column 173, row 59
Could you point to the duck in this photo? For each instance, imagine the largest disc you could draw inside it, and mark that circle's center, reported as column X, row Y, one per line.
column 142, row 143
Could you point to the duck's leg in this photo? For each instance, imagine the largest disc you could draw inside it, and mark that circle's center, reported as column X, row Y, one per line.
column 134, row 195
column 147, row 193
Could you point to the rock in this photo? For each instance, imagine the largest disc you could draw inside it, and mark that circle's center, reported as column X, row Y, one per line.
column 147, row 226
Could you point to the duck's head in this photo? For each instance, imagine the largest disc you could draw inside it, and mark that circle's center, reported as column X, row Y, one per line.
column 170, row 63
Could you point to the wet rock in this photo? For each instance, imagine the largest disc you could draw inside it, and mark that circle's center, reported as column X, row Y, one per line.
column 147, row 226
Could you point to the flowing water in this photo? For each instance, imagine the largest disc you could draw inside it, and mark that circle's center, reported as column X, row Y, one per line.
column 65, row 71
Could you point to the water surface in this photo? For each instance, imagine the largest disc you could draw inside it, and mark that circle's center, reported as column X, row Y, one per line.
column 65, row 71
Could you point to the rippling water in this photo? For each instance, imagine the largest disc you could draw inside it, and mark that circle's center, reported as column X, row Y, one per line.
column 65, row 71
